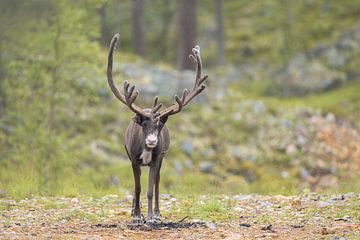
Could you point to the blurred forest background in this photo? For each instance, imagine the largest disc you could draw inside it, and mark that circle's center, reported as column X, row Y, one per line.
column 281, row 113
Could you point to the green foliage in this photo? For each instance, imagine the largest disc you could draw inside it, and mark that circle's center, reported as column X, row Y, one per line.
column 274, row 31
column 343, row 101
column 62, row 131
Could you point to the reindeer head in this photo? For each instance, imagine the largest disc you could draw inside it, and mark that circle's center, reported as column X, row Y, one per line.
column 151, row 125
column 151, row 120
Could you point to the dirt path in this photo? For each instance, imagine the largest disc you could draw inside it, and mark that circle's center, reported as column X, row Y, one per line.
column 223, row 217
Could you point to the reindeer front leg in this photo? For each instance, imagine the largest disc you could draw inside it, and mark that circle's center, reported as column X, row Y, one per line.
column 136, row 211
column 157, row 215
column 152, row 177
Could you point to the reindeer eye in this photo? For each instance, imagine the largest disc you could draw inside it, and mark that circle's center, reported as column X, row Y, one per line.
column 145, row 124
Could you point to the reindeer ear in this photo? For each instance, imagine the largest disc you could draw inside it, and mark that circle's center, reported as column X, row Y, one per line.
column 138, row 119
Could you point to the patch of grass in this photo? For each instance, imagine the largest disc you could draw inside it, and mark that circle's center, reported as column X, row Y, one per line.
column 207, row 208
column 49, row 203
column 78, row 215
column 269, row 184
column 5, row 206
column 265, row 219
column 25, row 186
column 352, row 210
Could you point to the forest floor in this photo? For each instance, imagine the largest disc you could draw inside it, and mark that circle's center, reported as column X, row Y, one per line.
column 309, row 216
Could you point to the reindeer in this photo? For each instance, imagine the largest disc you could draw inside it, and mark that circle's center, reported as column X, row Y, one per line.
column 147, row 138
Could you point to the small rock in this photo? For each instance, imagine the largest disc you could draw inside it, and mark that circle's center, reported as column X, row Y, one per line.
column 188, row 164
column 178, row 167
column 337, row 197
column 265, row 203
column 284, row 174
column 314, row 197
column 296, row 203
column 236, row 151
column 187, row 147
column 242, row 197
column 206, row 167
column 258, row 107
column 301, row 140
column 165, row 195
column 337, row 238
column 267, row 228
column 115, row 181
column 239, row 209
column 322, row 204
column 211, row 225
column 272, row 235
column 196, row 220
column 291, row 149
column 350, row 195
column 297, row 226
column 345, row 218
column 326, row 231
column 304, row 173
column 330, row 117
column 245, row 225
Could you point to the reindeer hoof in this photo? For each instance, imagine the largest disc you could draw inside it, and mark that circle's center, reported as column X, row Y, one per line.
column 153, row 220
column 157, row 218
column 136, row 220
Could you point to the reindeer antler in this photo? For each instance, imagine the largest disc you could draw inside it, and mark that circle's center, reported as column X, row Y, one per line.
column 196, row 90
column 129, row 96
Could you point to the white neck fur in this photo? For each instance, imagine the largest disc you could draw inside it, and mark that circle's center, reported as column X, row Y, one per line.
column 146, row 156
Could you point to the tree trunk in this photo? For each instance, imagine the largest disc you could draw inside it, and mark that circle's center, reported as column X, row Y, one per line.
column 104, row 30
column 2, row 79
column 285, row 5
column 220, row 56
column 166, row 17
column 187, row 32
column 138, row 27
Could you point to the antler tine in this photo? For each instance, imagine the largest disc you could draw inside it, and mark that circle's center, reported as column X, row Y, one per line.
column 196, row 56
column 196, row 89
column 155, row 101
column 129, row 97
column 155, row 107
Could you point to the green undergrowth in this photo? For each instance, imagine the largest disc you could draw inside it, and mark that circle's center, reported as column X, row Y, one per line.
column 190, row 184
column 74, row 170
column 343, row 101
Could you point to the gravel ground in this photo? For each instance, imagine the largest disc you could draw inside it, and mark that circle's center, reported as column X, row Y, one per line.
column 309, row 216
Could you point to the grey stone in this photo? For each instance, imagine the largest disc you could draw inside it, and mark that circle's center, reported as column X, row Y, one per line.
column 188, row 164
column 236, row 151
column 321, row 204
column 211, row 225
column 242, row 197
column 187, row 147
column 301, row 140
column 206, row 166
column 178, row 167
column 350, row 195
